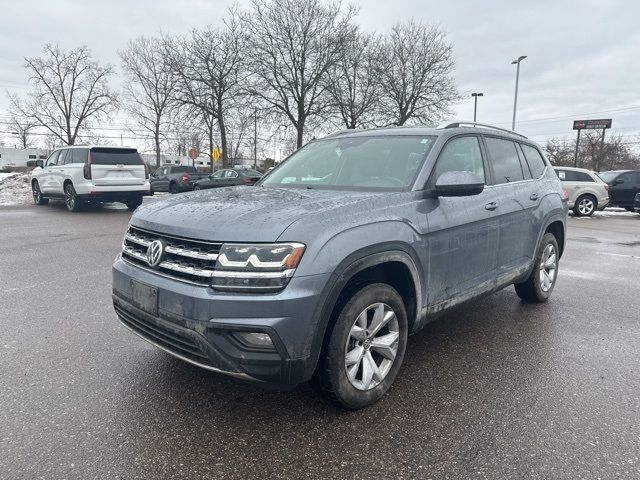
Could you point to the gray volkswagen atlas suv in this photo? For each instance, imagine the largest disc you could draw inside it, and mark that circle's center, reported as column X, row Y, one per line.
column 356, row 241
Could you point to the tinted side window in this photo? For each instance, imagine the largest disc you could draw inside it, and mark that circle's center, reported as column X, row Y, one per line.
column 628, row 178
column 461, row 154
column 78, row 155
column 583, row 177
column 534, row 160
column 505, row 161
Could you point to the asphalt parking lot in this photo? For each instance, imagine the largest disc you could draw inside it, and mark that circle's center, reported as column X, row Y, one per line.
column 496, row 389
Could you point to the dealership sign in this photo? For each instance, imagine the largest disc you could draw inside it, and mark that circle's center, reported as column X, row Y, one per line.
column 592, row 124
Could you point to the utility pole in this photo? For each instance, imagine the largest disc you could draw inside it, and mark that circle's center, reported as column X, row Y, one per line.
column 515, row 97
column 255, row 137
column 475, row 103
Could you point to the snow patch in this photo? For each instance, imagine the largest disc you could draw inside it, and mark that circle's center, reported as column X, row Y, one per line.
column 15, row 189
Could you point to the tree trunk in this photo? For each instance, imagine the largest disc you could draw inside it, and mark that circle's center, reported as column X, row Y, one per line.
column 210, row 132
column 223, row 141
column 157, row 140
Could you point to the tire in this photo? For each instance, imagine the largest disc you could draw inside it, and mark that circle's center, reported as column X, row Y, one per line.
column 585, row 206
column 196, row 188
column 364, row 385
column 38, row 199
column 534, row 289
column 630, row 209
column 173, row 188
column 133, row 202
column 71, row 199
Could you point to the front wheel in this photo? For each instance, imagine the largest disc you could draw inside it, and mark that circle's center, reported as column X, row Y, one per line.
column 38, row 199
column 365, row 348
column 71, row 199
column 538, row 287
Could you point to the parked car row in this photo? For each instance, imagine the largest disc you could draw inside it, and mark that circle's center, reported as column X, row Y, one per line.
column 589, row 191
column 183, row 178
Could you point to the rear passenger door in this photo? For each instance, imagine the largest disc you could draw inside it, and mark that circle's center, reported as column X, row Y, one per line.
column 513, row 197
column 462, row 231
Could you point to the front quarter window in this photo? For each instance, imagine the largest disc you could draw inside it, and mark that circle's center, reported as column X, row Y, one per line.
column 370, row 163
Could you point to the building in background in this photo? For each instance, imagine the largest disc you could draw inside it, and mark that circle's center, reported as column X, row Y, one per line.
column 18, row 157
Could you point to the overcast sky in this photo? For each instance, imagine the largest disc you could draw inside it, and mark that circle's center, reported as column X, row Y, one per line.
column 583, row 57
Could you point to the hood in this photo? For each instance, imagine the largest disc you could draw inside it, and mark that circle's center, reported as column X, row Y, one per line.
column 239, row 214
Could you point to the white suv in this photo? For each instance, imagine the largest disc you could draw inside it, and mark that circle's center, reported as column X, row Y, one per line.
column 87, row 174
column 587, row 191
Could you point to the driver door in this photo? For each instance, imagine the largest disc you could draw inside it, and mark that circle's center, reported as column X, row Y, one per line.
column 46, row 179
column 463, row 232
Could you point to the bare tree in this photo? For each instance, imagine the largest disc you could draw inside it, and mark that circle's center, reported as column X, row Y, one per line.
column 151, row 87
column 294, row 44
column 415, row 73
column 614, row 154
column 211, row 68
column 352, row 85
column 23, row 129
column 69, row 91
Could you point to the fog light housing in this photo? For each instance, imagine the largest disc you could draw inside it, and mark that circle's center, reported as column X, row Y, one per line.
column 255, row 340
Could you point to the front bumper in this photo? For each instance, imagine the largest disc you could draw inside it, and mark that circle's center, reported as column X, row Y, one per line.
column 196, row 324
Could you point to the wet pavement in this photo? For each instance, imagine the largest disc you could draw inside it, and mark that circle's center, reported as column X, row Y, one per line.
column 496, row 389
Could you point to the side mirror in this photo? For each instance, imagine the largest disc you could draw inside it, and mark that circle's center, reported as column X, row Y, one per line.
column 39, row 163
column 459, row 184
column 618, row 181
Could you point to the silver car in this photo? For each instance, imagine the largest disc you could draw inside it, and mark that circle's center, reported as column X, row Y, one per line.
column 587, row 191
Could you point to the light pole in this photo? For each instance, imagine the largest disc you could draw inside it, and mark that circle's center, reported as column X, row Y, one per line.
column 475, row 104
column 515, row 98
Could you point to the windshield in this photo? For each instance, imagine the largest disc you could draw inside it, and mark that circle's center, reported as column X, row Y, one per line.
column 360, row 163
column 608, row 176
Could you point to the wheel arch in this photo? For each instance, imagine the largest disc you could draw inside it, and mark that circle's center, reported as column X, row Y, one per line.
column 391, row 263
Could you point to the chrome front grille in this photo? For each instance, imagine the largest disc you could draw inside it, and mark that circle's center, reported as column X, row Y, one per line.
column 188, row 260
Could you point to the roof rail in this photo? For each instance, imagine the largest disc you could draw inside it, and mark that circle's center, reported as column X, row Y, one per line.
column 482, row 125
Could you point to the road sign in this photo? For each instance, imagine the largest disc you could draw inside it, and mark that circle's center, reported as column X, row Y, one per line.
column 193, row 153
column 592, row 124
column 215, row 154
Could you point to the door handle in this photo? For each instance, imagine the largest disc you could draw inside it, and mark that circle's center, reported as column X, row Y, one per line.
column 534, row 196
column 491, row 206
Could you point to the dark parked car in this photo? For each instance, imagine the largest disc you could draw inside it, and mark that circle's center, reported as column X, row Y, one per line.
column 228, row 177
column 623, row 187
column 322, row 270
column 174, row 178
column 636, row 203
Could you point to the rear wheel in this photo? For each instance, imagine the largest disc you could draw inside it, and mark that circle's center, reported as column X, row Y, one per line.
column 196, row 187
column 38, row 199
column 71, row 199
column 173, row 188
column 585, row 206
column 538, row 287
column 133, row 202
column 365, row 348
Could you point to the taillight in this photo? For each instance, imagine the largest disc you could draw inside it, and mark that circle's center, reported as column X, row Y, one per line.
column 87, row 167
column 185, row 177
column 565, row 194
column 606, row 187
column 247, row 181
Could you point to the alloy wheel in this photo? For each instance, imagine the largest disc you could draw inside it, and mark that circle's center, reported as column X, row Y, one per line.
column 36, row 192
column 372, row 346
column 586, row 206
column 69, row 197
column 548, row 266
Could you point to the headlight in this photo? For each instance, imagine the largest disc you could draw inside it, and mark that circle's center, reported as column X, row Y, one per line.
column 259, row 267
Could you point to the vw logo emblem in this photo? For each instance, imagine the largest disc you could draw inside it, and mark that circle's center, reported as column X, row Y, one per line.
column 155, row 252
